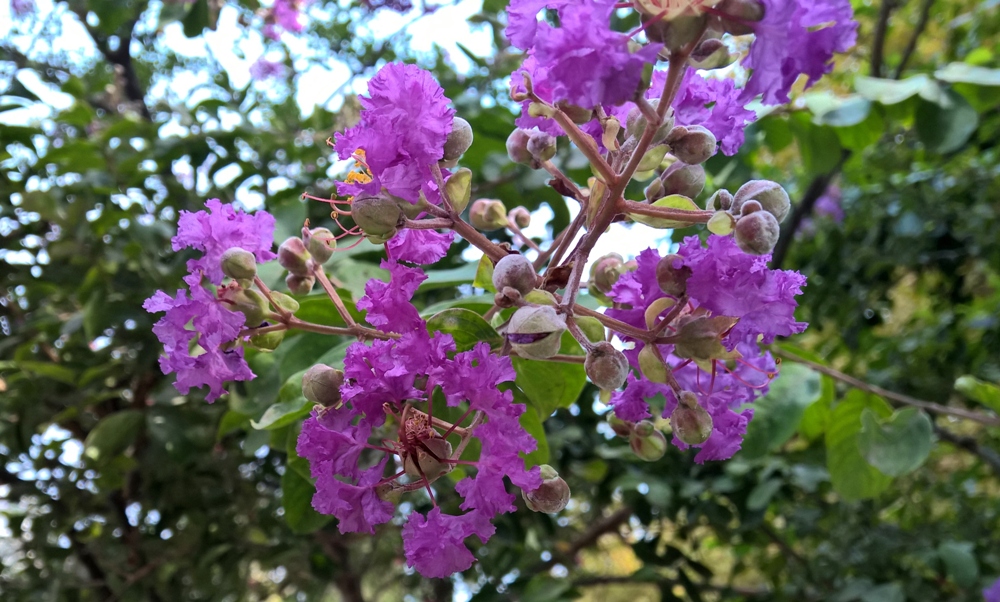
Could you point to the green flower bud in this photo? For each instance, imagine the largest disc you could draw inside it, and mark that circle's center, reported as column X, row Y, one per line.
column 722, row 200
column 771, row 196
column 520, row 216
column 739, row 15
column 683, row 179
column 320, row 243
column 691, row 423
column 300, row 285
column 285, row 302
column 692, row 144
column 430, row 466
column 458, row 141
column 515, row 271
column 248, row 302
column 606, row 271
column 619, row 426
column 294, row 257
column 672, row 279
column 578, row 115
column 636, row 124
column 606, row 366
column 377, row 216
column 678, row 32
column 535, row 332
column 239, row 264
column 551, row 496
column 651, row 366
column 459, row 188
column 712, row 54
column 700, row 338
column 646, row 442
column 389, row 492
column 269, row 341
column 488, row 214
column 654, row 191
column 321, row 384
column 517, row 146
column 542, row 147
column 757, row 233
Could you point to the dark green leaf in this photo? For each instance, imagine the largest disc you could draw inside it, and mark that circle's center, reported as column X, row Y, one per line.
column 465, row 326
column 897, row 445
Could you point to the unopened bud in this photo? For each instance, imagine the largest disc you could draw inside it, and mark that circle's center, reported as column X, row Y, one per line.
column 606, row 366
column 506, row 297
column 757, row 233
column 606, row 271
column 389, row 492
column 239, row 264
column 647, row 442
column 770, row 195
column 320, row 242
column 578, row 115
column 269, row 341
column 654, row 191
column 488, row 214
column 520, row 216
column 300, row 285
column 651, row 366
column 551, row 496
column 515, row 271
column 542, row 147
column 535, row 332
column 750, row 206
column 458, row 141
column 377, row 216
column 619, row 426
column 285, row 302
column 672, row 275
column 459, row 188
column 429, row 463
column 690, row 422
column 692, row 144
column 636, row 124
column 677, row 32
column 712, row 54
column 248, row 302
column 683, row 179
column 517, row 146
column 737, row 16
column 293, row 256
column 722, row 200
column 321, row 384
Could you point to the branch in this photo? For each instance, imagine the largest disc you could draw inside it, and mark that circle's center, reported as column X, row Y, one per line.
column 587, row 538
column 911, row 46
column 988, row 455
column 899, row 398
column 347, row 581
column 878, row 42
column 597, row 580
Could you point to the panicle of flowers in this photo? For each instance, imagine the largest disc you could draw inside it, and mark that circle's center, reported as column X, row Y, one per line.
column 385, row 440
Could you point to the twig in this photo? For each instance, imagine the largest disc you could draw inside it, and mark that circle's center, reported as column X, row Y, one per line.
column 878, row 40
column 990, row 456
column 911, row 46
column 585, row 540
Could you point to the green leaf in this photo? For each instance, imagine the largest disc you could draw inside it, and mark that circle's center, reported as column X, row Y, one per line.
column 551, row 385
column 817, row 416
column 968, row 74
column 887, row 592
column 946, row 127
column 112, row 435
column 449, row 278
column 853, row 477
column 484, row 275
column 46, row 369
column 777, row 414
column 197, row 19
column 674, row 201
column 960, row 562
column 891, row 91
column 818, row 144
column 897, row 445
column 846, row 112
column 531, row 423
column 465, row 326
column 231, row 421
column 985, row 393
column 296, row 499
column 290, row 407
column 761, row 495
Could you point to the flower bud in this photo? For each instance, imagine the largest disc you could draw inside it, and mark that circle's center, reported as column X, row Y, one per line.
column 683, row 179
column 506, row 297
column 736, row 16
column 377, row 216
column 678, row 32
column 239, row 264
column 248, row 302
column 691, row 423
column 619, row 426
column 712, row 54
column 517, row 146
column 389, row 492
column 606, row 366
column 459, row 188
column 294, row 257
column 654, row 191
column 268, row 341
column 651, row 366
column 672, row 275
column 423, row 463
column 635, row 124
column 771, row 196
column 321, row 384
column 606, row 271
column 692, row 144
column 749, row 207
column 285, row 302
column 320, row 243
column 458, row 141
column 757, row 233
column 577, row 115
column 488, row 214
column 300, row 285
column 515, row 271
column 646, row 442
column 542, row 147
column 535, row 332
column 551, row 496
column 722, row 200
column 520, row 216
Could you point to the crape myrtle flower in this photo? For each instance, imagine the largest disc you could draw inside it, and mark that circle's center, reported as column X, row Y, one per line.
column 796, row 37
column 285, row 15
column 992, row 593
column 199, row 316
column 583, row 61
column 22, row 8
column 756, row 304
column 349, row 447
column 263, row 69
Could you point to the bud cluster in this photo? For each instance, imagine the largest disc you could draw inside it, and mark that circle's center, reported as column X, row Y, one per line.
column 757, row 208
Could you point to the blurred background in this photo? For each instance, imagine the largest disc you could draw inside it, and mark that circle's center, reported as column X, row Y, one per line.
column 116, row 115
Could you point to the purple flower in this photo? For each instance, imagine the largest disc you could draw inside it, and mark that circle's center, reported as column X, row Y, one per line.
column 388, row 303
column 22, row 8
column 213, row 325
column 796, row 37
column 285, row 15
column 420, row 246
column 828, row 205
column 263, row 69
column 992, row 593
column 217, row 230
column 405, row 121
column 435, row 545
column 712, row 103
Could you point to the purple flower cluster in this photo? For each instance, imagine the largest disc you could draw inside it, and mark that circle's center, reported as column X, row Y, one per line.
column 397, row 377
column 724, row 282
column 285, row 15
column 263, row 69
column 198, row 316
column 992, row 593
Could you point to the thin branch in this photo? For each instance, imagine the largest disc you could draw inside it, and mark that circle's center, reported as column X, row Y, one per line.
column 878, row 40
column 585, row 540
column 988, row 455
column 911, row 46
